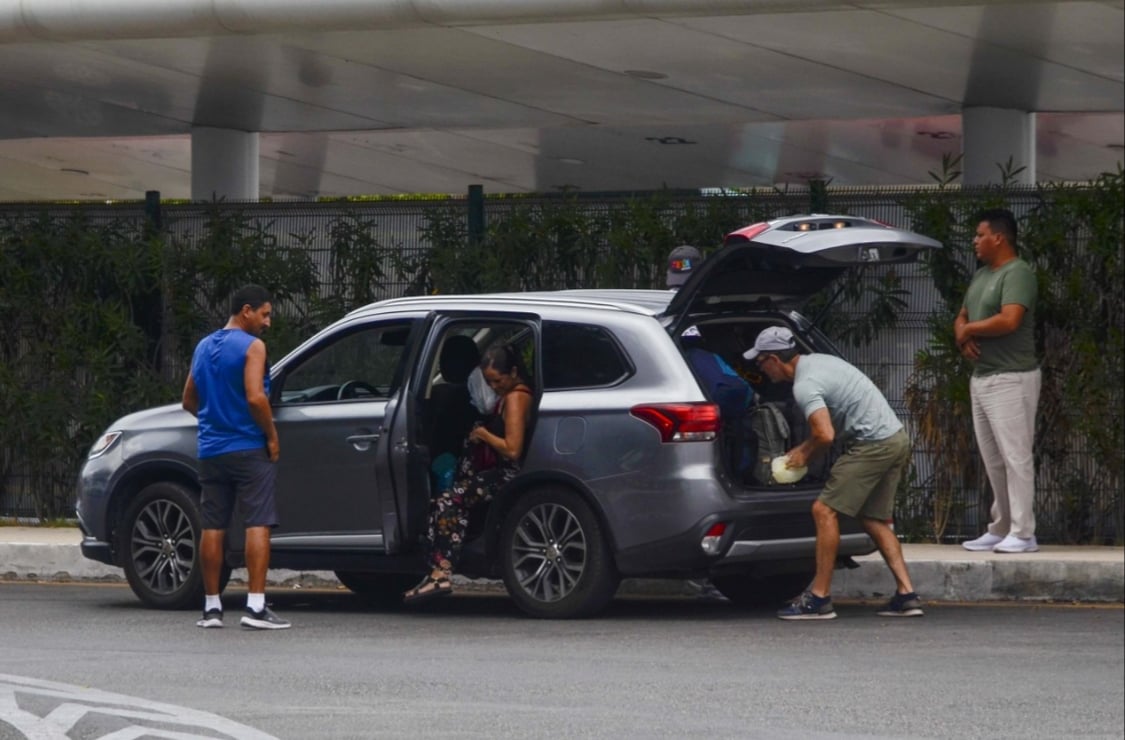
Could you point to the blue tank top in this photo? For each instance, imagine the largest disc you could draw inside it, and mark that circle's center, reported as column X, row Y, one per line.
column 217, row 367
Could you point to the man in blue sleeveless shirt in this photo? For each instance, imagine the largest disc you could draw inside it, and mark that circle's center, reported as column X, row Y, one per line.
column 839, row 400
column 228, row 391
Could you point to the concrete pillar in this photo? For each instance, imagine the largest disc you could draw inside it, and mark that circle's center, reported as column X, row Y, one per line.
column 990, row 136
column 224, row 164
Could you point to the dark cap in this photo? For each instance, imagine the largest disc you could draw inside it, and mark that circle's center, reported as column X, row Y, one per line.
column 682, row 261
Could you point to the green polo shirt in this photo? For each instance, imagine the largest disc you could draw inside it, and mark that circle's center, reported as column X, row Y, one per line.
column 1013, row 282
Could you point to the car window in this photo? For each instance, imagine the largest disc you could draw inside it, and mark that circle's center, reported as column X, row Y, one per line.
column 581, row 356
column 456, row 357
column 519, row 336
column 362, row 364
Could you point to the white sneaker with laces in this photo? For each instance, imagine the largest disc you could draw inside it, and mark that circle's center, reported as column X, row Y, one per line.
column 1011, row 543
column 984, row 543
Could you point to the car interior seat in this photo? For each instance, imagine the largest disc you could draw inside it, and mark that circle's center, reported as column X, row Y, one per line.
column 451, row 412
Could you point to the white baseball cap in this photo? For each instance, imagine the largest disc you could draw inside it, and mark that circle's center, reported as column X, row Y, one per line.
column 771, row 339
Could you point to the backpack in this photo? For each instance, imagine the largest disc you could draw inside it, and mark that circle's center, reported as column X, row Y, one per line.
column 725, row 386
column 767, row 421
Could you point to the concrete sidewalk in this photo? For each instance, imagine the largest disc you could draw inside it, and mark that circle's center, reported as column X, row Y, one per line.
column 940, row 572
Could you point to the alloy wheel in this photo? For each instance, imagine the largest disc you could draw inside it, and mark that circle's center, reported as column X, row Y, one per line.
column 162, row 546
column 549, row 552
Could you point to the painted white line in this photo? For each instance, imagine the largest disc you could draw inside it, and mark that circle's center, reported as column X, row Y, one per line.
column 61, row 708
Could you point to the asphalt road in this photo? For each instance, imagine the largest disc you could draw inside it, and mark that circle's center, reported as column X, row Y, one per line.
column 82, row 661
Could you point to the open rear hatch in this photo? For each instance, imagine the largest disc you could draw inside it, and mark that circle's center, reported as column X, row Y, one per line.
column 781, row 263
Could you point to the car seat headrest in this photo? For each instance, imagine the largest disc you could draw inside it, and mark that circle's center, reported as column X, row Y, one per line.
column 459, row 355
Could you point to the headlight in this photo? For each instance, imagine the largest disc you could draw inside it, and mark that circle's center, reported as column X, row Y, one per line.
column 104, row 443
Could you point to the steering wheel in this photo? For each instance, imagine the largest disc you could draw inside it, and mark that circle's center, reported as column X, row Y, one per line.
column 348, row 389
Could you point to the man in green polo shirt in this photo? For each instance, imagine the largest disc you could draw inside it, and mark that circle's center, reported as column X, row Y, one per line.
column 995, row 330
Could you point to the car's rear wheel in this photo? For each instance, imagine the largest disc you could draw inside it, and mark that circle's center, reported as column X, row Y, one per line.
column 762, row 590
column 159, row 542
column 382, row 589
column 555, row 559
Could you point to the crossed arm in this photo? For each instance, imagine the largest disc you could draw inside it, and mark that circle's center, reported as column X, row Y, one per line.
column 966, row 332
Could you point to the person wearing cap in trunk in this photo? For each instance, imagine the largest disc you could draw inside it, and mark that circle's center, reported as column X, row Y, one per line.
column 839, row 400
column 733, row 395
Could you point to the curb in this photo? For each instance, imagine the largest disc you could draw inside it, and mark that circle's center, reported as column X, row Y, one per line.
column 992, row 580
column 1073, row 578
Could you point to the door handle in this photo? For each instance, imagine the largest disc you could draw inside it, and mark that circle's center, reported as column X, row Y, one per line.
column 362, row 442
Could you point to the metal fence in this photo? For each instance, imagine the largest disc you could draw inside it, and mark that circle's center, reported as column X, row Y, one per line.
column 399, row 225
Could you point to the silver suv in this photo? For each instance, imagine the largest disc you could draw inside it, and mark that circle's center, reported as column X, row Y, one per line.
column 630, row 470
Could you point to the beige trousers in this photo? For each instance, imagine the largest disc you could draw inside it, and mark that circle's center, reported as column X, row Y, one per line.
column 1004, row 408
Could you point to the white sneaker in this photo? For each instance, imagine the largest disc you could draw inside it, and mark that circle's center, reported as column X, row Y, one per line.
column 984, row 543
column 1011, row 543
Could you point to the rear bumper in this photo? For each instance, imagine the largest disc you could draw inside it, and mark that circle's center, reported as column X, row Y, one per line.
column 772, row 531
column 750, row 551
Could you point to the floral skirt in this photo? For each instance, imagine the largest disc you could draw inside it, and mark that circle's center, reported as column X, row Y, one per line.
column 449, row 512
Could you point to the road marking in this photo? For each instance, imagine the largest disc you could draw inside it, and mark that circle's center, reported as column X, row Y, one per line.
column 45, row 710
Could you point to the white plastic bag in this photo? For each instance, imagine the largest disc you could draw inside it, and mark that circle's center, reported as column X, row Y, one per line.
column 482, row 395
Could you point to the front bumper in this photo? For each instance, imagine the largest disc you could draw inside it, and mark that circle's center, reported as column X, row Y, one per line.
column 94, row 549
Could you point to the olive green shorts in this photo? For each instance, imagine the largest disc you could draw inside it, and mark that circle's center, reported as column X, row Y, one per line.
column 864, row 480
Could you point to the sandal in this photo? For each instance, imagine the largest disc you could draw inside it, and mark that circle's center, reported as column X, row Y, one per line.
column 429, row 588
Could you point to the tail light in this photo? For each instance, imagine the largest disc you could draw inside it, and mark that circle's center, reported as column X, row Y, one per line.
column 681, row 422
column 746, row 233
column 710, row 542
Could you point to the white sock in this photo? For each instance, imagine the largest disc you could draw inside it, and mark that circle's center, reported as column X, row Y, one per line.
column 255, row 602
column 212, row 601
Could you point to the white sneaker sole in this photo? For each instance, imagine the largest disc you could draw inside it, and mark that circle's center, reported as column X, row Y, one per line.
column 907, row 613
column 974, row 546
column 1015, row 550
column 209, row 624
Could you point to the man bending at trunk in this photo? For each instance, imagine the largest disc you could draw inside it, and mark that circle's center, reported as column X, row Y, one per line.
column 839, row 399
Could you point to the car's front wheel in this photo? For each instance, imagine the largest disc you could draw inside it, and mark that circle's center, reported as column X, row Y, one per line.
column 555, row 559
column 159, row 542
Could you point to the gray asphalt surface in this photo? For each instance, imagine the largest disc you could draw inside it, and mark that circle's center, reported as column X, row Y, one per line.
column 474, row 667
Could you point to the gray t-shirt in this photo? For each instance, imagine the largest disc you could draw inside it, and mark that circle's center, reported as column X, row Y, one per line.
column 858, row 408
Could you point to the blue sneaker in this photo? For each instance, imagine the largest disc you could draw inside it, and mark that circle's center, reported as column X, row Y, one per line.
column 808, row 606
column 212, row 618
column 263, row 620
column 902, row 605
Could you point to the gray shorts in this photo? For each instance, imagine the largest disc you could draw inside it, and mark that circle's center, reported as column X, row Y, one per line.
column 245, row 478
column 864, row 480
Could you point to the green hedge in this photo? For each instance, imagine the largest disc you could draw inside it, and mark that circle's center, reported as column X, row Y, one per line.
column 101, row 317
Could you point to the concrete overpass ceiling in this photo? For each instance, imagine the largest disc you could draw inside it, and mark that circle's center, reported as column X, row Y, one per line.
column 863, row 93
